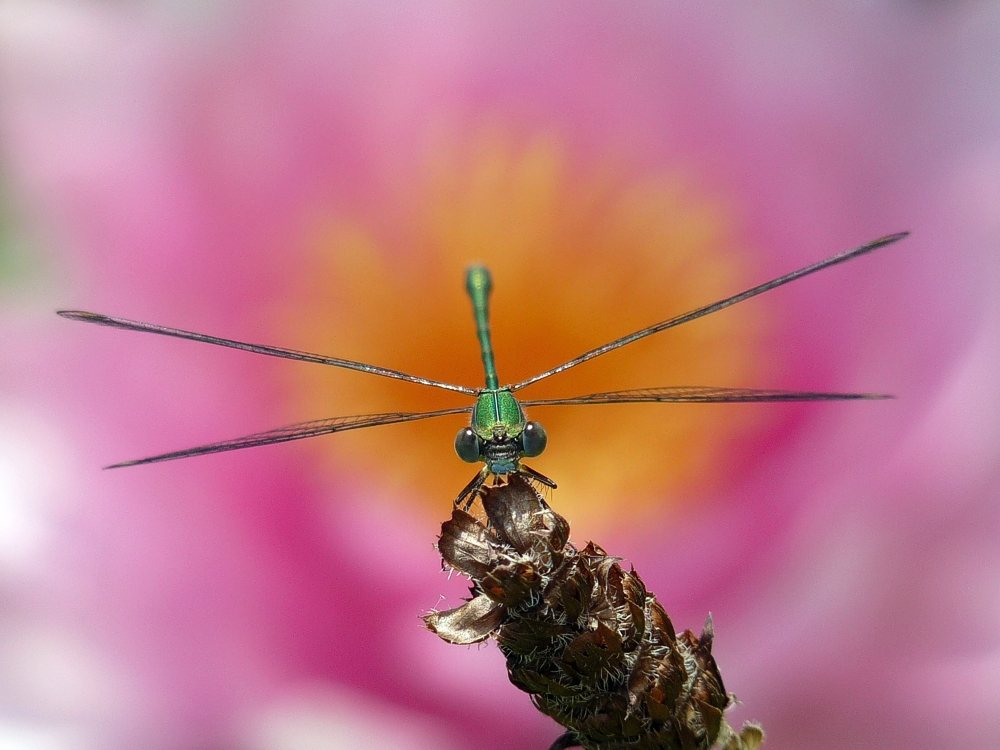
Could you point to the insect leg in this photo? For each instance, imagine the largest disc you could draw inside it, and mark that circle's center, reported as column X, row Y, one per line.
column 472, row 489
column 532, row 474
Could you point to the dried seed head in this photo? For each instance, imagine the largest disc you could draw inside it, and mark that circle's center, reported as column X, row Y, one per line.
column 582, row 636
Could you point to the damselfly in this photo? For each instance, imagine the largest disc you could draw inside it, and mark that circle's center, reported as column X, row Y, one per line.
column 499, row 434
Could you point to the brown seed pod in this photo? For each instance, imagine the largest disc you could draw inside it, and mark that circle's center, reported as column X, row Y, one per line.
column 581, row 635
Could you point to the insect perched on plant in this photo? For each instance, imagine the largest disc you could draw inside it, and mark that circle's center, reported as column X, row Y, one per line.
column 499, row 435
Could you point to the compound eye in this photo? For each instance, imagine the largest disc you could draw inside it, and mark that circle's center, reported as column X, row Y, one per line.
column 533, row 439
column 467, row 445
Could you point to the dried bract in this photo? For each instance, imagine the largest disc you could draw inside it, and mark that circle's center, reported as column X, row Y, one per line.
column 582, row 636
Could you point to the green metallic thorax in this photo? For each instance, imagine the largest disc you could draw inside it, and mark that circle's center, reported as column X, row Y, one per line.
column 497, row 414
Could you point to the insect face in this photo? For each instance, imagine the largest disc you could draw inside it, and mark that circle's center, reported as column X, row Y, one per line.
column 497, row 433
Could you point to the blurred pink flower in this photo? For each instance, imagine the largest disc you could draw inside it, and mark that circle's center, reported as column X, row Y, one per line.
column 216, row 167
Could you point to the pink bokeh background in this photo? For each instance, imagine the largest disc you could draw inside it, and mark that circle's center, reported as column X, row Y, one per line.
column 159, row 161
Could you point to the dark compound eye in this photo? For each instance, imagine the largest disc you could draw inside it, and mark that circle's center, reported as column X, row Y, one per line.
column 533, row 439
column 467, row 445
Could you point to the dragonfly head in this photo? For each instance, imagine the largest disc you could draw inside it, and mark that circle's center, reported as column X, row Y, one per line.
column 499, row 435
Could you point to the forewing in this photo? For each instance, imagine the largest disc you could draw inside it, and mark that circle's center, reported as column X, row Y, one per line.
column 270, row 351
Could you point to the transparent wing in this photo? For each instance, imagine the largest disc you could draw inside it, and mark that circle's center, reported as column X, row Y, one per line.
column 699, row 394
column 296, row 432
column 271, row 351
column 715, row 306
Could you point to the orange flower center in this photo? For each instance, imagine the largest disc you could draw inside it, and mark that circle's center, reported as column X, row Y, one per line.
column 579, row 257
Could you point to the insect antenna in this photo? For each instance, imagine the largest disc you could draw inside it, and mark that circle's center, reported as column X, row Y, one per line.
column 271, row 351
column 715, row 306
